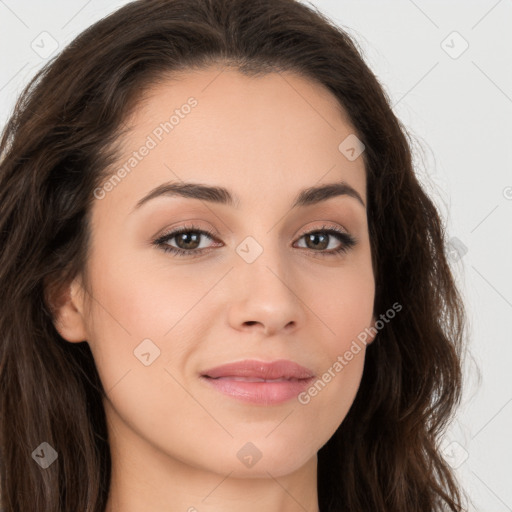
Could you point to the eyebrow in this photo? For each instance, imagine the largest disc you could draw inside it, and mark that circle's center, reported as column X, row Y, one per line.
column 221, row 195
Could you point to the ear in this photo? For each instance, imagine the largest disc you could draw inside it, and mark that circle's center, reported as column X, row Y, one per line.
column 67, row 306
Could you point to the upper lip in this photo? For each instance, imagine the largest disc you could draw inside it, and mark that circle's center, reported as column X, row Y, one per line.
column 280, row 369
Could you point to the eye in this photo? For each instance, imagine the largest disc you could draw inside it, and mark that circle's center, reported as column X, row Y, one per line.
column 188, row 240
column 320, row 239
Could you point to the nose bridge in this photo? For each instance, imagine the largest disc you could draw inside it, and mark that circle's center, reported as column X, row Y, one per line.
column 262, row 261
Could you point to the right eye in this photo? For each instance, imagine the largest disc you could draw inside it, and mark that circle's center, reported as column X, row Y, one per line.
column 188, row 237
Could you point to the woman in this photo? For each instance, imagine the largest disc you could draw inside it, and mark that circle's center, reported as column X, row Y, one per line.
column 226, row 287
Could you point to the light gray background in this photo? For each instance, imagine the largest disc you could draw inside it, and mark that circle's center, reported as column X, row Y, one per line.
column 458, row 107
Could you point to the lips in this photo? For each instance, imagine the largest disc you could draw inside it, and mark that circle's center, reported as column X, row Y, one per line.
column 260, row 371
column 259, row 382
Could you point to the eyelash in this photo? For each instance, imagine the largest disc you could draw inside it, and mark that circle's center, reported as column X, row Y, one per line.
column 347, row 241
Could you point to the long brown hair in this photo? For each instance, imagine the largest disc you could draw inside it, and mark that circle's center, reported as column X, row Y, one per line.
column 55, row 149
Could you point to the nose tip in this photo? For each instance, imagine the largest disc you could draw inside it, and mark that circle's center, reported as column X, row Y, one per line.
column 262, row 301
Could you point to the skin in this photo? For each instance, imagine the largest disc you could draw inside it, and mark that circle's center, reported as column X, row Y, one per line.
column 174, row 441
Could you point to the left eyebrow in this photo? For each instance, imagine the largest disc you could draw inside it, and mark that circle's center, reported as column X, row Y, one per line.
column 221, row 195
column 314, row 195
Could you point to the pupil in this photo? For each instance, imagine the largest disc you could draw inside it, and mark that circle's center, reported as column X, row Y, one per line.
column 188, row 239
column 313, row 239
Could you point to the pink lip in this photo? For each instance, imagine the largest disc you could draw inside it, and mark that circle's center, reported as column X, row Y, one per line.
column 249, row 380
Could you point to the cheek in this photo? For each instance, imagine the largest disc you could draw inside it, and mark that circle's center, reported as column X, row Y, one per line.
column 138, row 309
column 144, row 299
column 345, row 307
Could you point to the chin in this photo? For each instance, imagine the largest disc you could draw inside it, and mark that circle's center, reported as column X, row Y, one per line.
column 258, row 458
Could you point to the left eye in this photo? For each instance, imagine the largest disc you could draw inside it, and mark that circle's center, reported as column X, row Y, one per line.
column 188, row 240
column 322, row 239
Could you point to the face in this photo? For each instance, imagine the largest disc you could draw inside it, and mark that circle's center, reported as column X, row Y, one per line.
column 257, row 276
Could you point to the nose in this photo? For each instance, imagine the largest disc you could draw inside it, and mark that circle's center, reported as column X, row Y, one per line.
column 265, row 296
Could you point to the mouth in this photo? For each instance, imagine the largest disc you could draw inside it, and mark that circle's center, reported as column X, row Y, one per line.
column 252, row 379
column 259, row 382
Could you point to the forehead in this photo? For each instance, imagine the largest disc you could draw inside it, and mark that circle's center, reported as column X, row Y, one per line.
column 268, row 135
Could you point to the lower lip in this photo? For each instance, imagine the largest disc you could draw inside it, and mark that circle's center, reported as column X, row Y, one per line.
column 265, row 393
